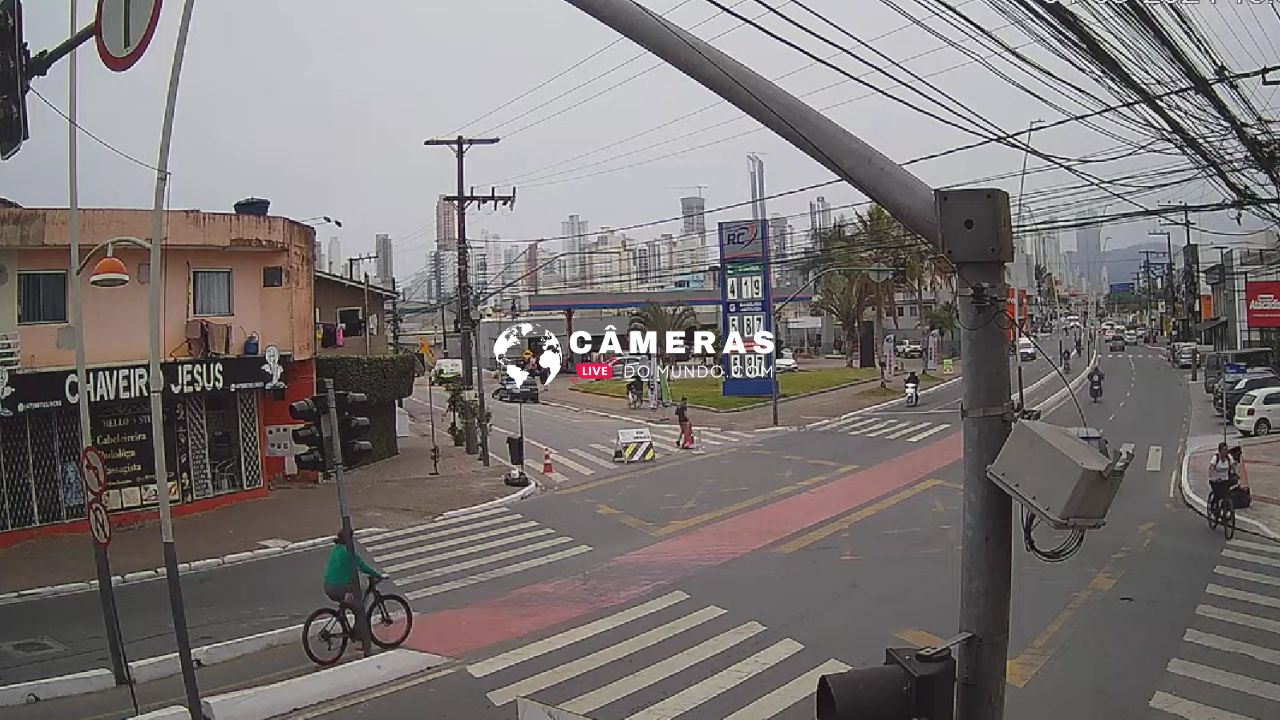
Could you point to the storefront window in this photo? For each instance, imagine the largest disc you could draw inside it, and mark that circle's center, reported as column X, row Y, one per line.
column 39, row 472
column 222, row 423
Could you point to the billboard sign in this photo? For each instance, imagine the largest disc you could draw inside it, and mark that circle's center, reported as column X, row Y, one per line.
column 746, row 299
column 1125, row 287
column 1262, row 303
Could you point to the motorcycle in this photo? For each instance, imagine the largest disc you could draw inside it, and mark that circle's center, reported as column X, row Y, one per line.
column 913, row 395
column 1095, row 389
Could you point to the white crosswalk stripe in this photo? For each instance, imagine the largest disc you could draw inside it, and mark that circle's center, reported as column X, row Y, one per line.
column 660, row 659
column 920, row 436
column 592, row 458
column 911, row 430
column 908, row 428
column 1227, row 665
column 573, row 465
column 882, row 428
column 466, row 550
column 1154, row 455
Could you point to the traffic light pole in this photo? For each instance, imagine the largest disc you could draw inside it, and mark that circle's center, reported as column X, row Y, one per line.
column 332, row 437
column 973, row 229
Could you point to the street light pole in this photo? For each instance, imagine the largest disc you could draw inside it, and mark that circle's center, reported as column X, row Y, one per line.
column 102, row 561
column 156, row 379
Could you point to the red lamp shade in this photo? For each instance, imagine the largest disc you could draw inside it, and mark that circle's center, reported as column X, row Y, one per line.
column 109, row 272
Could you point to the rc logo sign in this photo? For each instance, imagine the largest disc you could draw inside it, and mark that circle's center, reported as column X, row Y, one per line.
column 509, row 349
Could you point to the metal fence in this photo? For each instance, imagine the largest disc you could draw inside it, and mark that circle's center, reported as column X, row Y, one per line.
column 39, row 475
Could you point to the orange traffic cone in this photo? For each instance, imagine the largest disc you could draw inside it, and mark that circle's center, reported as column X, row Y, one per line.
column 546, row 463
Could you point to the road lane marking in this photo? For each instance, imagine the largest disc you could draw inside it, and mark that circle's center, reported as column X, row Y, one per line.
column 919, row 638
column 1222, row 678
column 851, row 428
column 1247, row 545
column 695, row 695
column 1242, row 595
column 486, row 560
column 882, row 429
column 1020, row 670
column 685, row 524
column 376, row 538
column 592, row 458
column 572, row 464
column 1154, row 456
column 409, row 540
column 600, row 658
column 910, row 427
column 1260, row 578
column 419, row 549
column 500, row 572
column 648, row 469
column 1250, row 557
column 1217, row 642
column 636, row 681
column 1238, row 618
column 469, row 549
column 1189, row 709
column 927, row 433
column 832, row 528
column 784, row 697
column 628, row 520
column 573, row 635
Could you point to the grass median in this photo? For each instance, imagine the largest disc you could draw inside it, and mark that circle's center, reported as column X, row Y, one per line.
column 707, row 391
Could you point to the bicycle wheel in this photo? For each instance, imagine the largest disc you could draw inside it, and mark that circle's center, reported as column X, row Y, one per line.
column 1228, row 518
column 390, row 621
column 324, row 636
column 1211, row 513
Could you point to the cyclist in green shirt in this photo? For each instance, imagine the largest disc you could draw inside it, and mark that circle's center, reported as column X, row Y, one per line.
column 337, row 575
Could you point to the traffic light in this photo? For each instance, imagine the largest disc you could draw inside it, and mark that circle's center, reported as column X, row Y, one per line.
column 910, row 685
column 13, row 81
column 353, row 428
column 311, row 434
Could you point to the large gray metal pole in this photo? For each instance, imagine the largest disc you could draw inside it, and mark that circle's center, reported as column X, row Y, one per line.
column 102, row 561
column 978, row 240
column 904, row 195
column 976, row 224
column 156, row 379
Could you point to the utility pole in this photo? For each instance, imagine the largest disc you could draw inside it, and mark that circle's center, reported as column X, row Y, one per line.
column 974, row 229
column 1188, row 302
column 472, row 372
column 351, row 263
column 1146, row 269
column 394, row 322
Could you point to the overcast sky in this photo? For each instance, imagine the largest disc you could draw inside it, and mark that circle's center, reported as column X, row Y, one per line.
column 322, row 106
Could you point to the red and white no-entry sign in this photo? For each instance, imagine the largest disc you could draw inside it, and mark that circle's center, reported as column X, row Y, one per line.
column 123, row 29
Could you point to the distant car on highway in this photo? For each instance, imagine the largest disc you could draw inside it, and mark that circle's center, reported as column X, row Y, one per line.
column 1116, row 343
column 1131, row 337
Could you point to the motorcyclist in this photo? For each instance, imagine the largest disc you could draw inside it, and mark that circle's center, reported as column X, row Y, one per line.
column 1095, row 379
column 912, row 379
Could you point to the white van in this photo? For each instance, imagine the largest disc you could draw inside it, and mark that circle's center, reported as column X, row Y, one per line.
column 1026, row 349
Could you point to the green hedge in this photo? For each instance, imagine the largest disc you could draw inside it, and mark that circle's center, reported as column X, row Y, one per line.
column 385, row 379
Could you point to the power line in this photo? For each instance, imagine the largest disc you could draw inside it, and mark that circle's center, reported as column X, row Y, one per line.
column 94, row 137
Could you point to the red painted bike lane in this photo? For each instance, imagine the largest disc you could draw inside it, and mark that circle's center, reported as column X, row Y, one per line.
column 459, row 631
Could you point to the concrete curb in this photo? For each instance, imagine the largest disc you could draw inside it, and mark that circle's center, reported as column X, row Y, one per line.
column 524, row 492
column 34, row 691
column 286, row 696
column 183, row 568
column 162, row 666
column 1202, row 504
column 173, row 712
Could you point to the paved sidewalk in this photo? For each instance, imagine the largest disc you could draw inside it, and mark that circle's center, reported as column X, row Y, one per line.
column 1262, row 468
column 795, row 411
column 392, row 493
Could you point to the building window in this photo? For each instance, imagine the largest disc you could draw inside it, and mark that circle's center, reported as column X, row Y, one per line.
column 42, row 296
column 901, row 310
column 273, row 276
column 210, row 292
column 912, row 310
column 352, row 321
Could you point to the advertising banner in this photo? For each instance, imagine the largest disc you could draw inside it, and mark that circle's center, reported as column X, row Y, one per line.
column 1262, row 303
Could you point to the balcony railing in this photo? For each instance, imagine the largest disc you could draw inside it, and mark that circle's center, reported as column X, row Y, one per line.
column 10, row 346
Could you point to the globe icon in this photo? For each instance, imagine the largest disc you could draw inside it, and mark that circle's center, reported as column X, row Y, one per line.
column 508, row 350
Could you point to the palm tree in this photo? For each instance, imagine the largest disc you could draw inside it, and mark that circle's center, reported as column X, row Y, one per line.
column 661, row 319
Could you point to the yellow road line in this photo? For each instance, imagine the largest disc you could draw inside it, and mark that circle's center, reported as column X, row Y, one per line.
column 687, row 523
column 919, row 638
column 625, row 519
column 862, row 513
column 637, row 473
column 1021, row 669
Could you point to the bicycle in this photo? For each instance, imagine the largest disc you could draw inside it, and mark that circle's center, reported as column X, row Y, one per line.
column 1222, row 512
column 332, row 628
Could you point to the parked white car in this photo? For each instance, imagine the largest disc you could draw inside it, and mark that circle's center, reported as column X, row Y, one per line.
column 1258, row 411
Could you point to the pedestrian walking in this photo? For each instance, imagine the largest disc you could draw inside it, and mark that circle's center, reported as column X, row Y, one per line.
column 686, row 428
